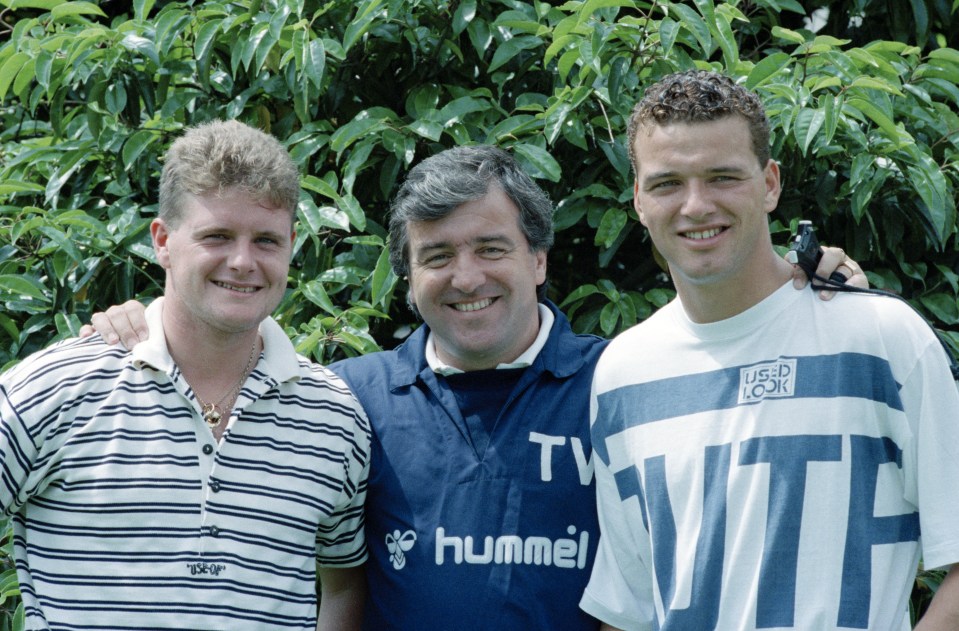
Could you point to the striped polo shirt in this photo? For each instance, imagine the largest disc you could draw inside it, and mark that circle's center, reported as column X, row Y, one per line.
column 129, row 515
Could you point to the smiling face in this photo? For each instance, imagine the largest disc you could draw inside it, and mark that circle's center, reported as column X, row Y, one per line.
column 473, row 279
column 704, row 197
column 227, row 259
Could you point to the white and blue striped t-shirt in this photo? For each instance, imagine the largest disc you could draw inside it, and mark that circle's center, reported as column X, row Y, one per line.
column 775, row 469
column 127, row 513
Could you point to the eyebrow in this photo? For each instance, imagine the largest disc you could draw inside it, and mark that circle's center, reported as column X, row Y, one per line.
column 219, row 229
column 272, row 234
column 661, row 175
column 440, row 245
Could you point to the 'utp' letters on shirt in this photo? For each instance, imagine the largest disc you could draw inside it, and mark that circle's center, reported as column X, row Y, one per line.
column 787, row 459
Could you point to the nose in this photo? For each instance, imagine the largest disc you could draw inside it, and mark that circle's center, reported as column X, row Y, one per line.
column 467, row 274
column 697, row 202
column 241, row 256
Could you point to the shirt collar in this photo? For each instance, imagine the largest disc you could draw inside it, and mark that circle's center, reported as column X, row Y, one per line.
column 528, row 356
column 281, row 360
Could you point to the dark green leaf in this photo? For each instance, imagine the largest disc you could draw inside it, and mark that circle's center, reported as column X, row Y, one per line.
column 807, row 126
column 23, row 286
column 383, row 279
column 68, row 9
column 766, row 69
column 142, row 8
column 509, row 49
column 319, row 217
column 668, row 30
column 612, row 224
column 316, row 293
column 942, row 306
column 135, row 145
column 314, row 61
column 537, row 161
column 608, row 318
column 427, row 129
column 353, row 131
column 464, row 14
column 579, row 293
column 9, row 70
column 692, row 22
column 366, row 12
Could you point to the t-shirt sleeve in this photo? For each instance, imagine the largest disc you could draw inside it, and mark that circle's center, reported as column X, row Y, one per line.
column 18, row 450
column 931, row 400
column 619, row 591
column 340, row 540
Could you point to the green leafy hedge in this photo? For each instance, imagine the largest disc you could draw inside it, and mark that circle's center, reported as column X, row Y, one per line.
column 863, row 116
column 91, row 97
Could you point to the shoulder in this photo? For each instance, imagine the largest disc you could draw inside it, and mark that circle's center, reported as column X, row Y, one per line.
column 322, row 397
column 884, row 317
column 360, row 373
column 67, row 362
column 396, row 366
column 47, row 389
column 322, row 381
column 567, row 340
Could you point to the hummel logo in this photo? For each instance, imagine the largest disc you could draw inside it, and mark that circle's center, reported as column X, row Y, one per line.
column 398, row 544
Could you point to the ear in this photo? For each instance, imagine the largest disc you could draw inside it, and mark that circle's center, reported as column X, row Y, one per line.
column 773, row 185
column 160, row 233
column 540, row 256
column 636, row 205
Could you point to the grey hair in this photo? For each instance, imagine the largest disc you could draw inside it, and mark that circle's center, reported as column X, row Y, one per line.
column 441, row 183
column 221, row 154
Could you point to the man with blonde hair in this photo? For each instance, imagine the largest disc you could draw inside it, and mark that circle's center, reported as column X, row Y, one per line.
column 197, row 480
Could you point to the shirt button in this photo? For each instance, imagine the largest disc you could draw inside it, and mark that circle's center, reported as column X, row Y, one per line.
column 215, row 486
column 214, row 531
column 208, row 449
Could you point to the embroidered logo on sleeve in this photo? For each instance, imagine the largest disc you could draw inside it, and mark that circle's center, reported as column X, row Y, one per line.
column 213, row 569
column 398, row 544
column 769, row 380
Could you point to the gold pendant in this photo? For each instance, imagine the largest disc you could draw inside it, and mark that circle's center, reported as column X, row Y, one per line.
column 211, row 415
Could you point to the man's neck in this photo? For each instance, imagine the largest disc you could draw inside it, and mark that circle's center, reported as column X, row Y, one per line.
column 712, row 302
column 208, row 358
column 538, row 341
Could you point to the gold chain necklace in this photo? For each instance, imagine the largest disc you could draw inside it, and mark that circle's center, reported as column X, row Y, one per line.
column 210, row 411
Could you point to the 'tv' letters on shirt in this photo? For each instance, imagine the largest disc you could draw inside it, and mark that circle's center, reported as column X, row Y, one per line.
column 584, row 462
column 787, row 458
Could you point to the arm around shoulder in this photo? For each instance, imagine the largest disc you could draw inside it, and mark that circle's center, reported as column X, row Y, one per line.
column 120, row 323
column 342, row 594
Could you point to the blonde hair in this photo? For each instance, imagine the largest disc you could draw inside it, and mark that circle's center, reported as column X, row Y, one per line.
column 221, row 154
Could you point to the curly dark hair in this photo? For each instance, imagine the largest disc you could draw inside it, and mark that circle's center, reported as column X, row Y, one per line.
column 697, row 96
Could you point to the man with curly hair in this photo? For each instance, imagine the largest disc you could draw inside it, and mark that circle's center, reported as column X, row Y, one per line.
column 763, row 459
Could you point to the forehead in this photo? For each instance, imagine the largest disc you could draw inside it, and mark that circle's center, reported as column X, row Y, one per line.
column 233, row 203
column 726, row 138
column 492, row 216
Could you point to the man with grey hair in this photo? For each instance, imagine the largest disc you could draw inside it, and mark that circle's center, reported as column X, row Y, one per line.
column 480, row 513
column 197, row 480
column 480, row 506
